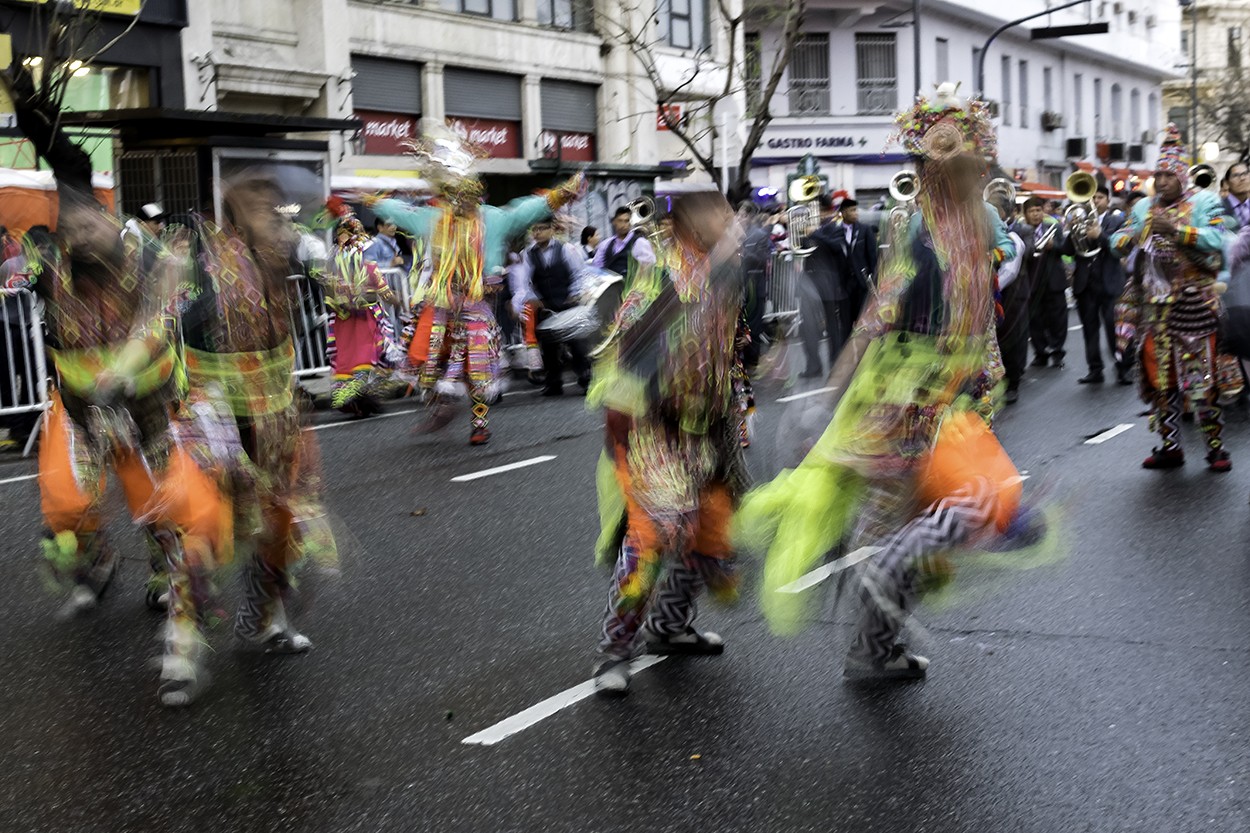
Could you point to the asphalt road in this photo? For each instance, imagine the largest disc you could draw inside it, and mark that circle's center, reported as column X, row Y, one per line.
column 1105, row 692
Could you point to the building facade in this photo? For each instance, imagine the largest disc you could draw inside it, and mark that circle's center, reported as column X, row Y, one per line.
column 544, row 86
column 1093, row 100
column 1214, row 34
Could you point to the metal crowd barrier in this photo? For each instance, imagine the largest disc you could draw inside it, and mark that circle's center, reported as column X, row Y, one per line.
column 23, row 364
column 783, row 291
column 397, row 280
column 309, row 326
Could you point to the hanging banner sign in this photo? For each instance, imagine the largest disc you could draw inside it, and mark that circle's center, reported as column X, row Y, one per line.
column 500, row 139
column 129, row 8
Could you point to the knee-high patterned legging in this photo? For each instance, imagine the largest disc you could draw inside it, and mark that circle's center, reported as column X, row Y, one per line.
column 1167, row 416
column 667, row 608
column 890, row 584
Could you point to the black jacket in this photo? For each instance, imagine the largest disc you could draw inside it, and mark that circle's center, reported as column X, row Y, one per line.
column 821, row 266
column 856, row 260
column 1045, row 271
column 1101, row 273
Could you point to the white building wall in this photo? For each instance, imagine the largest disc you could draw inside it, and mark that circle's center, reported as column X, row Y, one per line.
column 1132, row 56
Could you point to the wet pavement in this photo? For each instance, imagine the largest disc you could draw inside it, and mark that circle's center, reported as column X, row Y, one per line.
column 1102, row 693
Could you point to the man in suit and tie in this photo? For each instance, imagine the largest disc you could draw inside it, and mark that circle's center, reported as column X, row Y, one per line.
column 1097, row 281
column 1043, row 268
column 856, row 264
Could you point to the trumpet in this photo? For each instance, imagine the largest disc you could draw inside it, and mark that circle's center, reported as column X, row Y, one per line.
column 1202, row 176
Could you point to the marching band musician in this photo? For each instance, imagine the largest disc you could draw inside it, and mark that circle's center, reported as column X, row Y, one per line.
column 1043, row 265
column 1171, row 305
column 1097, row 281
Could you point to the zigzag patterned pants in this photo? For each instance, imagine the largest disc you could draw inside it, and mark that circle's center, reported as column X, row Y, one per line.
column 889, row 585
column 667, row 608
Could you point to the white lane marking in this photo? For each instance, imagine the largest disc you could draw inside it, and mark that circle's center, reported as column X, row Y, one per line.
column 360, row 421
column 823, row 572
column 1109, row 433
column 533, row 461
column 18, row 479
column 1074, row 329
column 541, row 711
column 806, row 394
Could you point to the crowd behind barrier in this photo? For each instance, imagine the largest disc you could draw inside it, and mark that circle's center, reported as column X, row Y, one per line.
column 783, row 291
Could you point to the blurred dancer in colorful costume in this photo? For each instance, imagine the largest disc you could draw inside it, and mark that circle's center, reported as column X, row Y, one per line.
column 456, row 340
column 113, row 336
column 243, row 420
column 906, row 463
column 360, row 333
column 1171, row 308
column 672, row 471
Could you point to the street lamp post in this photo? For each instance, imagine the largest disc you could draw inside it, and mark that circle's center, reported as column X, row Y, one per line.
column 1193, row 73
column 994, row 36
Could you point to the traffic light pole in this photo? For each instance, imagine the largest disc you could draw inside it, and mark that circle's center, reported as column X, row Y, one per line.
column 1004, row 28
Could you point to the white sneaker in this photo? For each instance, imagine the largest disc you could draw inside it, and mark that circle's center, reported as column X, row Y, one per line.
column 612, row 677
column 900, row 665
column 690, row 643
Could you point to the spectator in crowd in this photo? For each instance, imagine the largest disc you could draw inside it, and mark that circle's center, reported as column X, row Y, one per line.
column 383, row 249
column 590, row 243
column 856, row 262
column 823, row 291
column 144, row 233
column 755, row 252
column 1237, row 202
column 548, row 278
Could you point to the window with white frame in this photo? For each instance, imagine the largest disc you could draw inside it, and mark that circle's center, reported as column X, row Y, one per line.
column 575, row 15
column 876, row 76
column 498, row 9
column 942, row 59
column 809, row 75
column 1117, row 112
column 1048, row 89
column 1134, row 115
column 1078, row 102
column 683, row 23
column 1098, row 134
column 1023, row 81
column 1234, row 47
column 1152, row 113
column 752, row 71
column 976, row 63
column 1005, row 65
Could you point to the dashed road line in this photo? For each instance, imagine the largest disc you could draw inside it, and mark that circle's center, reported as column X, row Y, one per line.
column 1099, row 439
column 359, row 421
column 823, row 572
column 533, row 461
column 806, row 394
column 541, row 711
column 18, row 479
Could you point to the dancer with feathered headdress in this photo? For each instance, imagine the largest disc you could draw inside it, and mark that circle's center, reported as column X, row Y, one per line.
column 906, row 463
column 455, row 345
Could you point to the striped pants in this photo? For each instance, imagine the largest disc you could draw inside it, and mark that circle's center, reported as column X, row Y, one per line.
column 891, row 583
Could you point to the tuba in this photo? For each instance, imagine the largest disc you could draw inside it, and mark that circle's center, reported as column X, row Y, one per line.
column 1080, row 188
column 904, row 188
column 803, row 218
column 1000, row 189
column 1202, row 176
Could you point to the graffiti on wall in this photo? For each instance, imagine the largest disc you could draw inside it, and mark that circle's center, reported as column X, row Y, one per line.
column 603, row 198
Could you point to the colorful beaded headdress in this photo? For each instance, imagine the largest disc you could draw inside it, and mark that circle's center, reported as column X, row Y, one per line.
column 446, row 159
column 946, row 126
column 1172, row 155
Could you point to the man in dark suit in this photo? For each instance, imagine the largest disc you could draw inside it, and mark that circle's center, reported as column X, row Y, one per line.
column 856, row 265
column 821, row 292
column 1043, row 268
column 1097, row 281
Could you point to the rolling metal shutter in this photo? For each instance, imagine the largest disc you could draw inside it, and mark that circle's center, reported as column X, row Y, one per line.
column 569, row 106
column 385, row 85
column 472, row 93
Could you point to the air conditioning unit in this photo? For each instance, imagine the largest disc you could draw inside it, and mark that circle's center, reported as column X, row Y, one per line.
column 1147, row 137
column 1118, row 7
column 993, row 107
column 1075, row 148
column 1052, row 120
column 1150, row 21
column 1132, row 17
column 1116, row 151
column 1136, row 153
